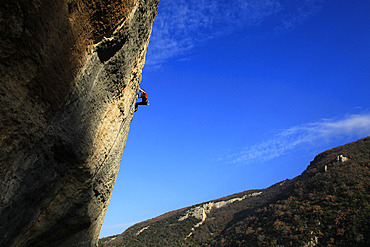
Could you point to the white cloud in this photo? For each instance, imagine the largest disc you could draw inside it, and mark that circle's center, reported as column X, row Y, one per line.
column 182, row 25
column 354, row 126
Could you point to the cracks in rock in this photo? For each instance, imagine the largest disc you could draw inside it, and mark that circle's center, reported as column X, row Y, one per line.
column 107, row 154
column 107, row 49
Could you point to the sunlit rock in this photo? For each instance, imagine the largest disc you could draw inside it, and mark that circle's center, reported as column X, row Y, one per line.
column 70, row 70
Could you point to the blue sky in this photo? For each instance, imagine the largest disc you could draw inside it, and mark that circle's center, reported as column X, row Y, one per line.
column 243, row 94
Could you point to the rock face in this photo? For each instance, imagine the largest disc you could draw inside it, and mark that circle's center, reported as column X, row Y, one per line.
column 69, row 72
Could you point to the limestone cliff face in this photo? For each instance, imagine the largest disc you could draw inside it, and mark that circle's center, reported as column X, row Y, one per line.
column 69, row 72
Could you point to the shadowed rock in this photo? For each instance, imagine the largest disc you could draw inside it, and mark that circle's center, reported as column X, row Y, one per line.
column 67, row 92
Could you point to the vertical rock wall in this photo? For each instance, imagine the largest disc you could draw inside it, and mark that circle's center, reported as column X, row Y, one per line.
column 66, row 107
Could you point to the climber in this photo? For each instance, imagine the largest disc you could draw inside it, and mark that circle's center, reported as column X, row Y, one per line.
column 144, row 98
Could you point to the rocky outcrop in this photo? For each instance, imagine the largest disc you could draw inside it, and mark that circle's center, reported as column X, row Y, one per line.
column 202, row 211
column 69, row 72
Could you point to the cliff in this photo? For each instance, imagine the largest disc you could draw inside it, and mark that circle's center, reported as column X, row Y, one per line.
column 69, row 72
column 327, row 205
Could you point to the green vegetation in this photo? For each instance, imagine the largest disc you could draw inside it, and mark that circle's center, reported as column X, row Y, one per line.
column 327, row 205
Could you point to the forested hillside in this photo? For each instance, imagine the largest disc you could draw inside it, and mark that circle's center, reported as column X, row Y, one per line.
column 327, row 205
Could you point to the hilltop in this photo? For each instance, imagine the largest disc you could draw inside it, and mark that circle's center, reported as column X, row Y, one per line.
column 327, row 205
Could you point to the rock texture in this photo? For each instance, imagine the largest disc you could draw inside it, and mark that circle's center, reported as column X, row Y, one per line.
column 69, row 72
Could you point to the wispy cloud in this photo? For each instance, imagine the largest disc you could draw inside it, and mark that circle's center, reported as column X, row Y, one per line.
column 354, row 126
column 182, row 25
column 297, row 13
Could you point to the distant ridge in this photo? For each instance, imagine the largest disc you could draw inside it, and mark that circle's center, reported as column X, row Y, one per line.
column 327, row 205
